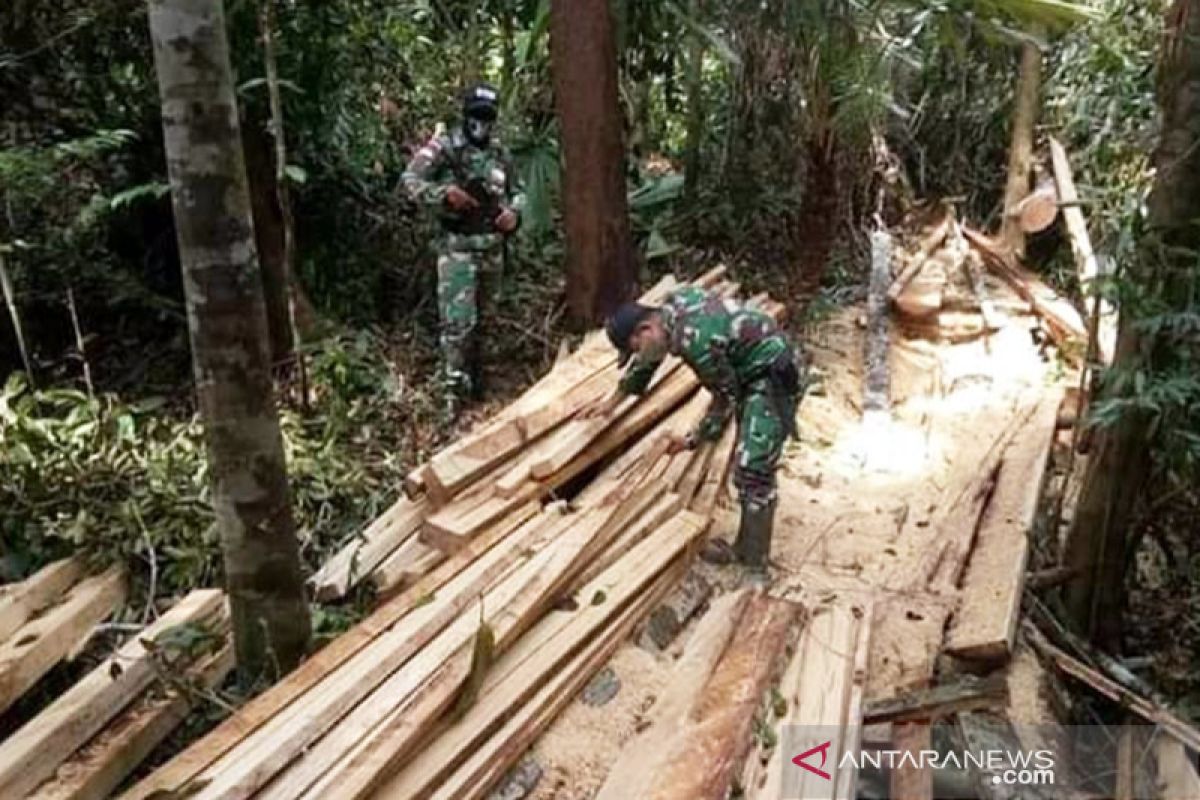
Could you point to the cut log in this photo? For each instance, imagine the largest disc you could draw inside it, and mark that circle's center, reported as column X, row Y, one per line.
column 1062, row 319
column 707, row 751
column 41, row 643
column 1039, row 208
column 410, row 562
column 31, row 755
column 20, row 601
column 985, row 625
column 967, row 693
column 514, row 681
column 643, row 755
column 822, row 691
column 1086, row 262
column 103, row 763
column 359, row 558
column 875, row 355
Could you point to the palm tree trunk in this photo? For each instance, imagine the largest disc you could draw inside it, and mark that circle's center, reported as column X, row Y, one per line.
column 228, row 328
column 601, row 269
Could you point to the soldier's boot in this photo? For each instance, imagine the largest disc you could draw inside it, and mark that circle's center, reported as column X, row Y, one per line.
column 753, row 543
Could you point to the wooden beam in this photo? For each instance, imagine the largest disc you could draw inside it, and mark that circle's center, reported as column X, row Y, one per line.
column 410, row 562
column 1062, row 319
column 99, row 767
column 966, row 693
column 350, row 565
column 41, row 643
column 1177, row 778
column 351, row 765
column 456, row 523
column 985, row 625
column 19, row 601
column 1086, row 262
column 1146, row 709
column 517, row 677
column 31, row 755
column 487, row 765
column 378, row 640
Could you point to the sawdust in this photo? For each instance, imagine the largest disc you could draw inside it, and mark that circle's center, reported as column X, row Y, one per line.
column 578, row 749
column 857, row 502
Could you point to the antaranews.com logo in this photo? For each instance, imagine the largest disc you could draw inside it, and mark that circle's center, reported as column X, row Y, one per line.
column 1013, row 768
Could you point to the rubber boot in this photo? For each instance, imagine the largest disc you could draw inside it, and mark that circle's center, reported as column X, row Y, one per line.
column 753, row 544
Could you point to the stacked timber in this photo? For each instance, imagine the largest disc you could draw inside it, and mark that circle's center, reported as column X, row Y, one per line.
column 527, row 451
column 92, row 736
column 442, row 688
column 49, row 618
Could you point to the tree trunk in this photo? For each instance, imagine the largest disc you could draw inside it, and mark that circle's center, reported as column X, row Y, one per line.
column 1122, row 457
column 1020, row 151
column 269, row 240
column 228, row 328
column 601, row 269
column 817, row 225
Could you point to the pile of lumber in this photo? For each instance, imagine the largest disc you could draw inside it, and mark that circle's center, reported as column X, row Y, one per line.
column 48, row 618
column 528, row 451
column 92, row 736
column 443, row 686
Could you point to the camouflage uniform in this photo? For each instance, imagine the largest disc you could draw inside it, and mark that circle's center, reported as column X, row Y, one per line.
column 743, row 359
column 469, row 242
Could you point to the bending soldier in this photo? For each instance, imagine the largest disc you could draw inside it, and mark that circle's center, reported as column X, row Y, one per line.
column 743, row 359
column 464, row 176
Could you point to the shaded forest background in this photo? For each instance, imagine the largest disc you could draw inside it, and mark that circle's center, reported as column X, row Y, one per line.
column 760, row 135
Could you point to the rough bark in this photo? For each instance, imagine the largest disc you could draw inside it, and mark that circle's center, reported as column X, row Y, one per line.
column 1121, row 462
column 601, row 268
column 1020, row 152
column 269, row 240
column 228, row 329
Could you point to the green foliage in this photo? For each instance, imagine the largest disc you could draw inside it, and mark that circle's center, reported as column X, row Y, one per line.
column 127, row 481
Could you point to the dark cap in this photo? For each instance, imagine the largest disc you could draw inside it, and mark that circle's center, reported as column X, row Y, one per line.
column 481, row 101
column 621, row 326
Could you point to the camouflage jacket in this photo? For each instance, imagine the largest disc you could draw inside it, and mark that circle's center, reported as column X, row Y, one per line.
column 728, row 347
column 485, row 173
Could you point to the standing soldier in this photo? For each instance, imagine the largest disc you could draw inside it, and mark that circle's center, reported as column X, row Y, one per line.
column 465, row 177
column 743, row 359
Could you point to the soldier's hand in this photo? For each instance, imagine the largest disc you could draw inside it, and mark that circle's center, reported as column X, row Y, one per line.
column 459, row 199
column 506, row 221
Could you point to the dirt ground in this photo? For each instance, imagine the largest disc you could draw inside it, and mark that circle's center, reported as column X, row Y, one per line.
column 856, row 500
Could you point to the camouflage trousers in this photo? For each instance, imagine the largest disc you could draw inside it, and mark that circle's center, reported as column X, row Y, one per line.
column 460, row 260
column 762, row 431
